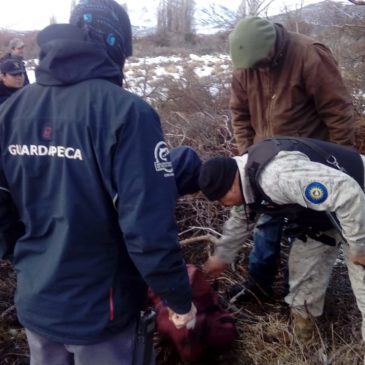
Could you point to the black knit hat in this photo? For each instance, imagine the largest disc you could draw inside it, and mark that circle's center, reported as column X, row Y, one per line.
column 107, row 23
column 217, row 176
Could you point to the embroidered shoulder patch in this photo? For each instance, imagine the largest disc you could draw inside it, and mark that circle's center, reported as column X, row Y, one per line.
column 316, row 193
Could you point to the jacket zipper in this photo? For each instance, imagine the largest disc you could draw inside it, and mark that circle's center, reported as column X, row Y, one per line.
column 270, row 97
column 111, row 305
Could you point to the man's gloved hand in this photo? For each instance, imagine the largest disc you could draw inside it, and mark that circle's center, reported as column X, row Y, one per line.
column 214, row 266
column 182, row 320
column 358, row 260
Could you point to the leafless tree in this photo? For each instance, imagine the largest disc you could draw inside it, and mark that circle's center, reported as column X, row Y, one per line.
column 125, row 6
column 293, row 18
column 52, row 20
column 226, row 20
column 175, row 16
column 357, row 2
column 214, row 16
column 72, row 5
column 253, row 7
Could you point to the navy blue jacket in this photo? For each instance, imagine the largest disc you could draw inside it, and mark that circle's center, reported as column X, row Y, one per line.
column 85, row 164
column 6, row 92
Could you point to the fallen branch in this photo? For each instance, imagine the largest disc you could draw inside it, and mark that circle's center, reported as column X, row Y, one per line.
column 7, row 311
column 200, row 228
column 207, row 237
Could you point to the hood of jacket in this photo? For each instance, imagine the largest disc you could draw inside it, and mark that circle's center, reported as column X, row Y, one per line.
column 281, row 45
column 67, row 57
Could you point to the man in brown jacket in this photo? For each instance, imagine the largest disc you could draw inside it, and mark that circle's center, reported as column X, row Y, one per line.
column 285, row 84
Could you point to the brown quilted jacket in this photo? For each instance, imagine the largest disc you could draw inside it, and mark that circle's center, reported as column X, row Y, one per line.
column 302, row 94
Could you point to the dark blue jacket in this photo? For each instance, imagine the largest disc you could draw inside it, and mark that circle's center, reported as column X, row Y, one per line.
column 85, row 164
column 6, row 92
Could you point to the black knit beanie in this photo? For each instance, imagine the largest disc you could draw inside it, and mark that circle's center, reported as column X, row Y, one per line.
column 217, row 176
column 107, row 23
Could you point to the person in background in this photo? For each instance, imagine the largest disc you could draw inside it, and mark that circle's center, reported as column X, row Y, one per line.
column 319, row 187
column 88, row 198
column 286, row 84
column 12, row 77
column 16, row 50
column 16, row 47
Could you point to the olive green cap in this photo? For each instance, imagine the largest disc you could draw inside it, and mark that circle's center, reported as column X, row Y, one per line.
column 251, row 41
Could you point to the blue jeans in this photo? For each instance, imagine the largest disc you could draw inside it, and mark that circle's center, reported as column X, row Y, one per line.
column 264, row 256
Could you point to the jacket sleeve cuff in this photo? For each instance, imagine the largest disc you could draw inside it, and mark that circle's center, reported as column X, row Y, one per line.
column 173, row 301
column 357, row 249
column 224, row 255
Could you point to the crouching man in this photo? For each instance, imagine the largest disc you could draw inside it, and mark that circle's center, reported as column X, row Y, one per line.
column 318, row 186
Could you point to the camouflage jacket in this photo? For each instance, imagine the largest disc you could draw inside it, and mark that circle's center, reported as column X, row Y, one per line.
column 291, row 178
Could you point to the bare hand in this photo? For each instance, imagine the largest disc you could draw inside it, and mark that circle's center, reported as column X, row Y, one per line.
column 214, row 266
column 182, row 320
column 358, row 260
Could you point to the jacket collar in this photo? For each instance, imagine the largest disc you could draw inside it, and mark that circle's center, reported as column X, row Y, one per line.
column 248, row 194
column 5, row 90
column 282, row 41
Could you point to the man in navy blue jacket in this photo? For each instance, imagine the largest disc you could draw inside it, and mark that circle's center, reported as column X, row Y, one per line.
column 88, row 195
column 12, row 77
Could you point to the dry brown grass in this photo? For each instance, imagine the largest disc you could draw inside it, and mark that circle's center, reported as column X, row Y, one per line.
column 13, row 347
column 264, row 328
column 265, row 336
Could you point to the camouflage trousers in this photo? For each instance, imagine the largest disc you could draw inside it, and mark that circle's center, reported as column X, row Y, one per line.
column 310, row 267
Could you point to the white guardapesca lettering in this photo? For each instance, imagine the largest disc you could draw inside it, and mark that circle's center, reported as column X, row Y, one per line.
column 41, row 150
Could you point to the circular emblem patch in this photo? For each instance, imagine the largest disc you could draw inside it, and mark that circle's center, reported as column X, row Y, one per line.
column 316, row 193
column 162, row 163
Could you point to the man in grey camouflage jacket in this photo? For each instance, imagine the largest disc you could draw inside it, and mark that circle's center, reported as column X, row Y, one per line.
column 291, row 178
